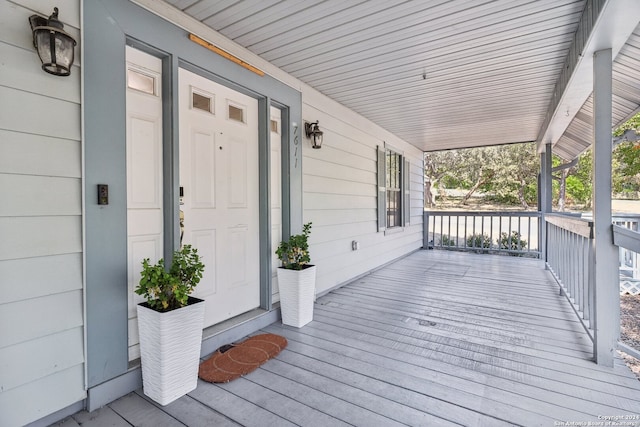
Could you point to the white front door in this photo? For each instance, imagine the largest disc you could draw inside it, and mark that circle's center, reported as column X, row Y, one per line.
column 219, row 188
column 275, row 126
column 144, row 174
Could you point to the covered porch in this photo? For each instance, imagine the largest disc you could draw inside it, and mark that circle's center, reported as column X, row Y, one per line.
column 436, row 338
column 433, row 338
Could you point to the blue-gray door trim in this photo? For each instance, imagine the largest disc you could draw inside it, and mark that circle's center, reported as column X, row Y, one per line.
column 108, row 25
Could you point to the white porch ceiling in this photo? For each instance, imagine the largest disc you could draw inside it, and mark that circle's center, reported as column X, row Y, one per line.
column 626, row 100
column 439, row 74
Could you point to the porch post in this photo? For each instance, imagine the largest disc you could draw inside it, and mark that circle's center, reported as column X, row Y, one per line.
column 545, row 197
column 607, row 286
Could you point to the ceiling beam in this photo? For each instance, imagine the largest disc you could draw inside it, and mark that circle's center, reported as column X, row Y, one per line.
column 604, row 24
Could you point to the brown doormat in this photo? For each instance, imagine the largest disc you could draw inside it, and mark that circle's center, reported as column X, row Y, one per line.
column 232, row 361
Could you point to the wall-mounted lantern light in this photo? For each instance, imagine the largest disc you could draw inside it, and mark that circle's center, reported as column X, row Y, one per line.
column 313, row 131
column 55, row 47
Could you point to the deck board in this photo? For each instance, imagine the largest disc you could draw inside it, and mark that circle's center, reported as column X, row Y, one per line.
column 194, row 414
column 436, row 338
column 141, row 412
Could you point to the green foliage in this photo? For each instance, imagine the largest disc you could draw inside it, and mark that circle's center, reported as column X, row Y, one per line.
column 626, row 159
column 632, row 123
column 578, row 190
column 512, row 242
column 445, row 240
column 627, row 156
column 507, row 172
column 449, row 181
column 578, row 181
column 479, row 241
column 294, row 253
column 504, row 198
column 168, row 290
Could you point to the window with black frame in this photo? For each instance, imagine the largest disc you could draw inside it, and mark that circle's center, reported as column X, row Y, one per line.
column 394, row 189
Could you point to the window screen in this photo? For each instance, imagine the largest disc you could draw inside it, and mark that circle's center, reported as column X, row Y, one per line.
column 393, row 188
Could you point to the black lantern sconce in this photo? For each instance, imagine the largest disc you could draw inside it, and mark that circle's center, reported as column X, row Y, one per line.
column 55, row 47
column 313, row 131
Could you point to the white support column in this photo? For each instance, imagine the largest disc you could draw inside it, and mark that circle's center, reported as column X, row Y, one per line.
column 607, row 286
column 545, row 189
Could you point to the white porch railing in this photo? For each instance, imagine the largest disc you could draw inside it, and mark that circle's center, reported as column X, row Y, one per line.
column 629, row 259
column 569, row 248
column 627, row 238
column 514, row 233
column 570, row 258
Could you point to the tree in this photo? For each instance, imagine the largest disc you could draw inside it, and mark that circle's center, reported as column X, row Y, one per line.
column 509, row 172
column 516, row 173
column 626, row 167
column 437, row 166
column 626, row 157
column 574, row 183
column 479, row 168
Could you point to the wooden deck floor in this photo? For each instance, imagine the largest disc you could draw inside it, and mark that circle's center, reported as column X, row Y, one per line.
column 437, row 338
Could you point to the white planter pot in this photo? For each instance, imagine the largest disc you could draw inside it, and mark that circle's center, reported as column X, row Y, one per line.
column 297, row 294
column 170, row 350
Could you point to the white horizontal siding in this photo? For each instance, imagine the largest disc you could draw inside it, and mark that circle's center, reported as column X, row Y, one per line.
column 340, row 170
column 23, row 153
column 38, row 399
column 28, row 278
column 341, row 267
column 27, row 362
column 24, row 74
column 324, row 217
column 29, row 195
column 340, row 194
column 26, row 237
column 41, row 285
column 36, row 318
column 321, row 201
column 31, row 113
column 331, row 185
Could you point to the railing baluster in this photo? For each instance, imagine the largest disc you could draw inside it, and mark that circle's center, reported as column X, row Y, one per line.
column 465, row 231
column 499, row 227
column 519, row 233
column 492, row 239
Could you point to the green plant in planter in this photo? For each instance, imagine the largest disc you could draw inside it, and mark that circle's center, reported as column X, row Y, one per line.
column 168, row 290
column 294, row 253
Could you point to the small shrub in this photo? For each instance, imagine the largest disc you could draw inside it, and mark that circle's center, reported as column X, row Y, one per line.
column 294, row 253
column 481, row 241
column 512, row 242
column 445, row 240
column 169, row 290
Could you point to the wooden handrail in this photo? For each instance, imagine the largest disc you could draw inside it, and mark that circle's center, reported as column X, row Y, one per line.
column 625, row 238
column 579, row 226
column 524, row 214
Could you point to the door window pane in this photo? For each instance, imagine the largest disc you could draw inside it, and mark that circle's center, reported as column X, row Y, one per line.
column 141, row 81
column 201, row 102
column 236, row 113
